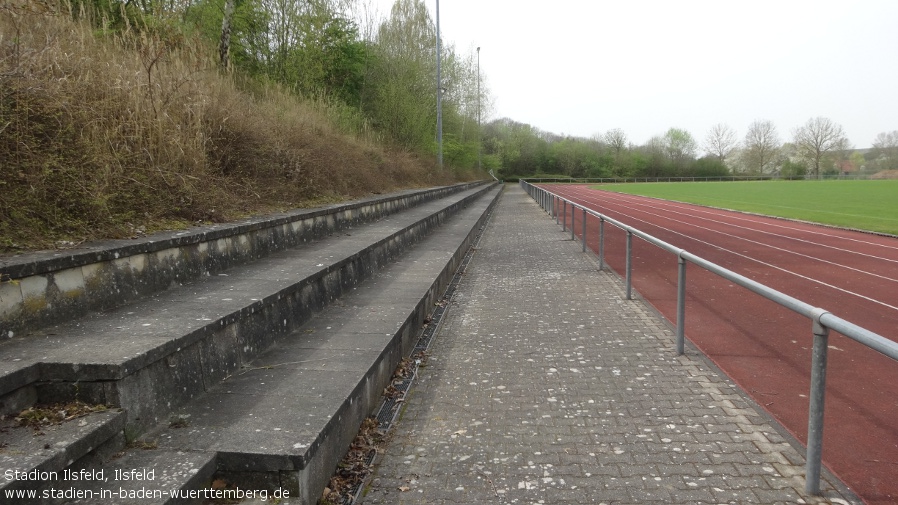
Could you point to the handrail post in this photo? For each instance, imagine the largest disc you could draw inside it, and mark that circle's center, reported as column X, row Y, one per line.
column 583, row 234
column 573, row 208
column 815, row 408
column 601, row 243
column 629, row 265
column 563, row 215
column 681, row 305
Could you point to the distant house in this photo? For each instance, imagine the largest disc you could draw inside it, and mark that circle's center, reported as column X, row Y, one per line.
column 855, row 161
column 847, row 167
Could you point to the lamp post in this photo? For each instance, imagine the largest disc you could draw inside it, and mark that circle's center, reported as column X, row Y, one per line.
column 479, row 133
column 439, row 95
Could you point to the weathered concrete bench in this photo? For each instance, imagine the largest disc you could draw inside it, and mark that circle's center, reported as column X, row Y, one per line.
column 195, row 344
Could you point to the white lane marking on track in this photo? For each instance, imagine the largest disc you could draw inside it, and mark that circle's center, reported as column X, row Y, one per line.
column 858, row 253
column 789, row 228
column 804, row 277
column 769, row 245
column 731, row 215
column 817, row 281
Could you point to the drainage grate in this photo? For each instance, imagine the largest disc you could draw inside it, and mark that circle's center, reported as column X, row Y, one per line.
column 390, row 407
column 388, row 411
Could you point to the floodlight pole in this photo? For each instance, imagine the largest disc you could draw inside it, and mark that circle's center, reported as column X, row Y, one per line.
column 479, row 133
column 439, row 94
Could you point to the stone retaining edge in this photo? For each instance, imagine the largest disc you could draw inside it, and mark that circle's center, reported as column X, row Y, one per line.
column 40, row 289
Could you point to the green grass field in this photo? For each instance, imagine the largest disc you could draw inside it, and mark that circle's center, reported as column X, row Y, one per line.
column 867, row 205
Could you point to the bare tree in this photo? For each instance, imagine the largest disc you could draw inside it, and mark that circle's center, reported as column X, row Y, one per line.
column 721, row 142
column 818, row 137
column 761, row 146
column 617, row 140
column 885, row 148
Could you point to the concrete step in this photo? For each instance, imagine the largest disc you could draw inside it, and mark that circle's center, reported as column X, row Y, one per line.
column 280, row 425
column 37, row 459
column 149, row 476
column 38, row 289
column 167, row 348
column 151, row 356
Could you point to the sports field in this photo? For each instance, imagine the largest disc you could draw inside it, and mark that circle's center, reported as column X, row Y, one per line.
column 865, row 205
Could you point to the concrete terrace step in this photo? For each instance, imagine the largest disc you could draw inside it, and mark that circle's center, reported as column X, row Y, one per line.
column 48, row 287
column 150, row 356
column 153, row 476
column 44, row 288
column 284, row 421
column 198, row 333
column 45, row 453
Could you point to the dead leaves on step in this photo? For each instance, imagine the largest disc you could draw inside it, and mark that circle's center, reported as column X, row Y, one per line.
column 39, row 416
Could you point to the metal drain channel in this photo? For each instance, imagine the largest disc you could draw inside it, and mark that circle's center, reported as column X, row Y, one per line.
column 391, row 406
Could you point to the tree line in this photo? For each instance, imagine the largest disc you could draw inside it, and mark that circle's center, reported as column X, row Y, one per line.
column 818, row 148
column 379, row 75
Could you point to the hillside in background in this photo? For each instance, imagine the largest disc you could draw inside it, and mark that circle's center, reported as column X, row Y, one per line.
column 121, row 117
column 119, row 122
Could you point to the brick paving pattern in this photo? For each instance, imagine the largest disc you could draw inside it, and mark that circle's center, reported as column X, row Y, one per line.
column 545, row 386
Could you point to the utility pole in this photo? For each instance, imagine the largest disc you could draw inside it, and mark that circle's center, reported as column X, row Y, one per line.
column 479, row 132
column 439, row 94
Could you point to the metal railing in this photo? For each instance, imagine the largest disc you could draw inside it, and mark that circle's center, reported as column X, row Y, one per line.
column 822, row 321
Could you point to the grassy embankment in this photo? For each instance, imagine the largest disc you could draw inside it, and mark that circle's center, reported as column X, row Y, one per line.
column 112, row 136
column 867, row 205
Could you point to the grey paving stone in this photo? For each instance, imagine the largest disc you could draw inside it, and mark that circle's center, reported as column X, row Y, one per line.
column 546, row 386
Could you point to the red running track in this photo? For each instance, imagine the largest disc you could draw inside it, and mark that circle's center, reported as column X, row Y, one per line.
column 763, row 347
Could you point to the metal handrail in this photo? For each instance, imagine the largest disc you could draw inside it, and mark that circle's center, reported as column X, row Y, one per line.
column 822, row 321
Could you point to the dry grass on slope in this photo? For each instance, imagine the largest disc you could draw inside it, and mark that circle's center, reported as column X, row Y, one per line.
column 101, row 136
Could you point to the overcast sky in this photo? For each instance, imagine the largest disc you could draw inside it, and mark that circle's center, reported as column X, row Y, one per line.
column 581, row 67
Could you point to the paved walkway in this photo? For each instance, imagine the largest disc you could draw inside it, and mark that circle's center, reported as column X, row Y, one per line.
column 545, row 386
